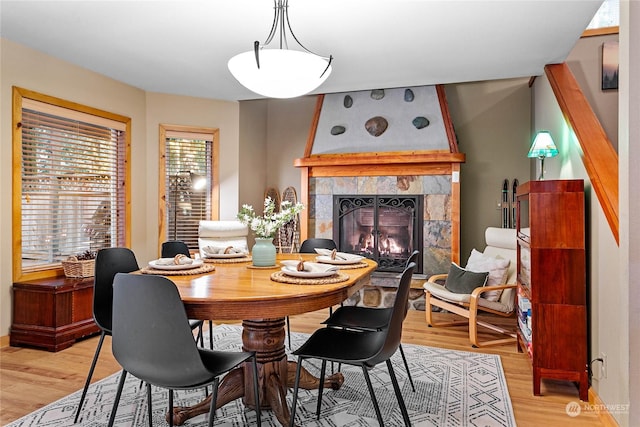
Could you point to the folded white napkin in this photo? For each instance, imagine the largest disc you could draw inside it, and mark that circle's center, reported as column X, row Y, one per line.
column 215, row 250
column 339, row 255
column 309, row 267
column 184, row 260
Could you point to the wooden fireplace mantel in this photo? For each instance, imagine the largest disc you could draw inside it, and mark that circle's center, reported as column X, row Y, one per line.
column 425, row 162
column 383, row 164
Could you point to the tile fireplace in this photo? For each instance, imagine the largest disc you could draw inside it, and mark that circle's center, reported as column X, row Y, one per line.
column 383, row 191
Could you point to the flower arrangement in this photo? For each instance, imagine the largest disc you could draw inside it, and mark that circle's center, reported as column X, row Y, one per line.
column 267, row 225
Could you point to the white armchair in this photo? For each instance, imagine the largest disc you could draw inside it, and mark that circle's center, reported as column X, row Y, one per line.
column 221, row 234
column 496, row 297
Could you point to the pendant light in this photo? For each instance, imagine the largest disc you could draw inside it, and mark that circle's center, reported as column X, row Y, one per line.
column 280, row 72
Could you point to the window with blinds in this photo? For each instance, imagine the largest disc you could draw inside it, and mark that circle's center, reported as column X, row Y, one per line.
column 72, row 177
column 188, row 180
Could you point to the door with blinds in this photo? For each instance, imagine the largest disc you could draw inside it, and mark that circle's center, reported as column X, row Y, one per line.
column 189, row 173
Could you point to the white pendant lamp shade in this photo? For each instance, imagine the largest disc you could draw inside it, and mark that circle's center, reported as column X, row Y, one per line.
column 280, row 72
column 283, row 73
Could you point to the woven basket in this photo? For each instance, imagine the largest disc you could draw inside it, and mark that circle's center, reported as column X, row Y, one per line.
column 75, row 269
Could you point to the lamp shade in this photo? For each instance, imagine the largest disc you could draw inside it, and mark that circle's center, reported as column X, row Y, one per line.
column 283, row 73
column 543, row 146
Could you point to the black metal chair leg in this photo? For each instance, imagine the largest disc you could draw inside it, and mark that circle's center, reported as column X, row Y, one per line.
column 295, row 394
column 88, row 382
column 320, row 388
column 373, row 395
column 200, row 336
column 112, row 417
column 214, row 398
column 256, row 391
column 170, row 408
column 211, row 334
column 288, row 332
column 396, row 389
column 149, row 407
column 406, row 366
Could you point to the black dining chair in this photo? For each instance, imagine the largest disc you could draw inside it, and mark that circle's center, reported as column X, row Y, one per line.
column 171, row 248
column 359, row 348
column 152, row 341
column 308, row 247
column 369, row 319
column 110, row 261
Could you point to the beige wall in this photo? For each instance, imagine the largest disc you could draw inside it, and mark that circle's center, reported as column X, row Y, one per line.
column 24, row 67
column 32, row 70
column 288, row 130
column 183, row 110
column 273, row 133
column 253, row 152
column 492, row 124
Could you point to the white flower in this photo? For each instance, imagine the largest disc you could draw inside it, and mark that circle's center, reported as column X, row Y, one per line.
column 267, row 225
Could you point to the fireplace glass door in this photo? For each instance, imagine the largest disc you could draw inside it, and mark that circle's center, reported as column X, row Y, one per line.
column 383, row 228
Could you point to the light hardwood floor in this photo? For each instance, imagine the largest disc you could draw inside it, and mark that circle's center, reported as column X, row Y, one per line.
column 29, row 379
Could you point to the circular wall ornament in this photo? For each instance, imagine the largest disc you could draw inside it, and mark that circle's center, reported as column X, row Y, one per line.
column 376, row 125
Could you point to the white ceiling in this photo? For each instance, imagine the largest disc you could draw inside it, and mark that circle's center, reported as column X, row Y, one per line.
column 182, row 47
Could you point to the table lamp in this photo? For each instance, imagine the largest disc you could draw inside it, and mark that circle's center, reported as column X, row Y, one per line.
column 542, row 147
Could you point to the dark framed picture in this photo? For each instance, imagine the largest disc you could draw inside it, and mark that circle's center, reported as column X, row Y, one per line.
column 610, row 65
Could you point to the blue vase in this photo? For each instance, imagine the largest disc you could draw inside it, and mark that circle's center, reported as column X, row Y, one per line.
column 263, row 252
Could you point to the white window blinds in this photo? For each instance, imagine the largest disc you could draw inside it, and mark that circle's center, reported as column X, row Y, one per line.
column 188, row 182
column 73, row 197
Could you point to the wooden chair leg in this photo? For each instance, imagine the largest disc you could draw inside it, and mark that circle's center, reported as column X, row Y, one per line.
column 428, row 312
column 473, row 333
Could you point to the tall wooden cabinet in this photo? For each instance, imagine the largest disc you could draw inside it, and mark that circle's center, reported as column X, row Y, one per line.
column 552, row 312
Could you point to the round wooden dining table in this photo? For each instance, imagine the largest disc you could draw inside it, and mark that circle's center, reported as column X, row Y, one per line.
column 239, row 291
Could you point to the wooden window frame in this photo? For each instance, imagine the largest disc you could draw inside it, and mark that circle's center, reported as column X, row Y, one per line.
column 163, row 198
column 19, row 95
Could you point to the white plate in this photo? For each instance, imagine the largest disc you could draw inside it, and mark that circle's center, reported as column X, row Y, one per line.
column 196, row 263
column 289, row 271
column 327, row 260
column 222, row 256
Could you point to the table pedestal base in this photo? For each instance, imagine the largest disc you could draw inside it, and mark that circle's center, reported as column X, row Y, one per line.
column 275, row 374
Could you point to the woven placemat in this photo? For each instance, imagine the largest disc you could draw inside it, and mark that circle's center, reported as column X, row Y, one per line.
column 205, row 268
column 351, row 266
column 280, row 277
column 227, row 260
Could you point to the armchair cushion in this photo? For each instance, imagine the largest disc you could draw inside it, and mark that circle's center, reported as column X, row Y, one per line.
column 497, row 267
column 439, row 291
column 461, row 281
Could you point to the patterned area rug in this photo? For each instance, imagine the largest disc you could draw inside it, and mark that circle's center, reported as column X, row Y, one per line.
column 453, row 388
